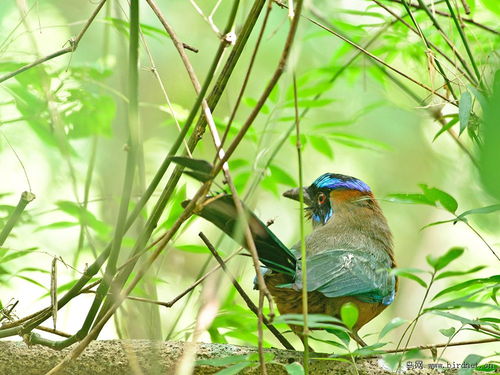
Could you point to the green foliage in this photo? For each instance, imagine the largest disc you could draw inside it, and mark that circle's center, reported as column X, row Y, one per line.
column 349, row 314
column 430, row 196
column 66, row 121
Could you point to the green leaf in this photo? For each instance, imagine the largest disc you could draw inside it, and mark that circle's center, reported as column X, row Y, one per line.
column 480, row 210
column 199, row 176
column 461, row 319
column 472, row 360
column 450, row 123
column 330, row 342
column 343, row 335
column 319, row 321
column 123, row 27
column 393, row 324
column 309, row 103
column 281, row 176
column 32, row 269
column 464, row 110
column 409, row 198
column 438, row 223
column 252, row 103
column 370, row 350
column 458, row 273
column 57, row 225
column 354, row 141
column 13, row 254
column 479, row 96
column 294, row 368
column 474, row 282
column 32, row 281
column 403, row 273
column 458, row 303
column 442, row 261
column 492, row 5
column 234, row 369
column 349, row 314
column 254, row 357
column 448, row 332
column 175, row 207
column 198, row 165
column 436, row 195
column 83, row 215
column 321, row 145
column 224, row 361
column 198, row 249
column 90, row 114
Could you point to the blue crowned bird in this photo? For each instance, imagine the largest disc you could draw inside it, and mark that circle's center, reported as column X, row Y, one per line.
column 349, row 251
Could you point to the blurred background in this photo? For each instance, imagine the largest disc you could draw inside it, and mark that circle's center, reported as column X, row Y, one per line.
column 60, row 118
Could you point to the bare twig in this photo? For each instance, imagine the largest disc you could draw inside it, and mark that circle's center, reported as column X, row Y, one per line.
column 213, row 130
column 467, row 74
column 54, row 331
column 458, row 343
column 243, row 294
column 379, row 60
column 198, row 199
column 466, row 6
column 444, row 14
column 247, row 74
column 73, row 44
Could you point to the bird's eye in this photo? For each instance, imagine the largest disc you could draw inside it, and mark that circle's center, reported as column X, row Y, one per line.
column 321, row 198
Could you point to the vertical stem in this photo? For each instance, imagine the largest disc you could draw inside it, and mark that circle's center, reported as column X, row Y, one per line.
column 303, row 258
column 415, row 321
column 133, row 127
column 465, row 42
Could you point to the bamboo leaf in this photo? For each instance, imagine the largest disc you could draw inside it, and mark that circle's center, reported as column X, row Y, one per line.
column 294, row 368
column 464, row 110
column 458, row 273
column 442, row 261
column 393, row 324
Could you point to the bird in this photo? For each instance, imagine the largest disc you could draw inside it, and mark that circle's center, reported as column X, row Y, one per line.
column 349, row 252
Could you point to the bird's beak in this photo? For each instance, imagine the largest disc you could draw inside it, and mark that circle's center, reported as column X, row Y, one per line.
column 294, row 194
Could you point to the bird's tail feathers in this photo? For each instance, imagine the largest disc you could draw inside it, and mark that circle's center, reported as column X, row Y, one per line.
column 221, row 211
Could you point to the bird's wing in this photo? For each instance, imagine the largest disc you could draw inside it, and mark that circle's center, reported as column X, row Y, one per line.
column 347, row 272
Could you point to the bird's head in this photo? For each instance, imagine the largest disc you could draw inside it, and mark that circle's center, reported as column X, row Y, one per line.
column 329, row 192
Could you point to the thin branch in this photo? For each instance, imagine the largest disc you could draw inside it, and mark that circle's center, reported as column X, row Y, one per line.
column 458, row 343
column 482, row 239
column 465, row 42
column 444, row 35
column 444, row 14
column 217, row 142
column 467, row 74
column 246, row 79
column 73, row 44
column 53, row 331
column 303, row 252
column 213, row 130
column 437, row 115
column 243, row 294
column 197, row 200
column 267, row 91
column 378, row 59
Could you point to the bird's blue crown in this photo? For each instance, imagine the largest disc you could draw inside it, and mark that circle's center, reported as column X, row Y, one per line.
column 339, row 181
